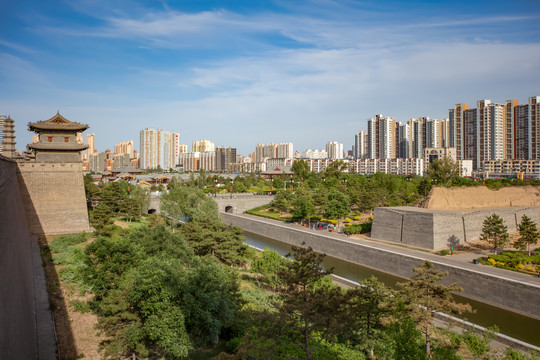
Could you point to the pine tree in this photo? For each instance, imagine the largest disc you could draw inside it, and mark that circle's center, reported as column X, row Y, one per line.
column 529, row 234
column 495, row 232
column 370, row 303
column 424, row 297
column 309, row 309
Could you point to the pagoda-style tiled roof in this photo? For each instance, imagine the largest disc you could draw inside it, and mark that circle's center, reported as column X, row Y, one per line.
column 58, row 146
column 57, row 122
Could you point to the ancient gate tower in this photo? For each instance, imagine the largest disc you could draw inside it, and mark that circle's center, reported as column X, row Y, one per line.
column 52, row 184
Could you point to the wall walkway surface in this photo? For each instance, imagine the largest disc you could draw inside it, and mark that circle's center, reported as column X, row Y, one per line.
column 26, row 324
column 514, row 292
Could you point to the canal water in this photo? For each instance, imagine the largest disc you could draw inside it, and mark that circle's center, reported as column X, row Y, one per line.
column 509, row 323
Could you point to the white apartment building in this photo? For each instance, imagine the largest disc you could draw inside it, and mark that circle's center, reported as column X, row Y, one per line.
column 360, row 145
column 334, row 150
column 314, row 154
column 381, row 137
column 157, row 148
column 285, row 150
column 202, row 145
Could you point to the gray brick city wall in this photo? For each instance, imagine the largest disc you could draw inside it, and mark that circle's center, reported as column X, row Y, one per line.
column 53, row 195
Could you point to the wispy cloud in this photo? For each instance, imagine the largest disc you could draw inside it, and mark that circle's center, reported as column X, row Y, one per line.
column 17, row 47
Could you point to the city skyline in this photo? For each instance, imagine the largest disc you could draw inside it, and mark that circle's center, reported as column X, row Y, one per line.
column 306, row 72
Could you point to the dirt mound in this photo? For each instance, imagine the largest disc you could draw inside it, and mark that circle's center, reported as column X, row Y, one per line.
column 480, row 197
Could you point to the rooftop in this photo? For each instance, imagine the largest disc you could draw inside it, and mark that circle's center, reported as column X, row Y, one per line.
column 57, row 122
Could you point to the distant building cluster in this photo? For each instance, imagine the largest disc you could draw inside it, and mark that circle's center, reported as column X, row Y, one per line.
column 492, row 139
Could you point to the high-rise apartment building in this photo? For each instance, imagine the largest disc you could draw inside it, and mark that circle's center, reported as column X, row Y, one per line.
column 521, row 130
column 404, row 141
column 315, row 154
column 334, row 150
column 382, row 137
column 263, row 152
column 360, row 145
column 285, row 151
column 125, row 147
column 481, row 134
column 224, row 157
column 158, row 149
column 90, row 142
column 534, row 127
column 182, row 148
column 456, row 128
column 202, row 145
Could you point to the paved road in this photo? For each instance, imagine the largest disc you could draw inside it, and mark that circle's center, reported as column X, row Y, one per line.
column 462, row 261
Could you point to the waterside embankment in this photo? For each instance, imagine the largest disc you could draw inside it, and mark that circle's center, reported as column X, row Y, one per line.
column 511, row 291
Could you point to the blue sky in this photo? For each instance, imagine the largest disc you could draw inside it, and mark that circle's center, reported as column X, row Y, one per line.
column 246, row 71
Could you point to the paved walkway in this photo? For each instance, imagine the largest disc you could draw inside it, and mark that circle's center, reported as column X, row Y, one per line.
column 463, row 260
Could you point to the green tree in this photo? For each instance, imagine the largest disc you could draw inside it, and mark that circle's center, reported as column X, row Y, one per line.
column 370, row 304
column 106, row 260
column 143, row 315
column 528, row 234
column 92, row 190
column 495, row 232
column 444, row 170
column 268, row 263
column 335, row 169
column 300, row 169
column 189, row 202
column 309, row 310
column 282, row 200
column 338, row 205
column 303, row 208
column 214, row 238
column 424, row 296
column 406, row 340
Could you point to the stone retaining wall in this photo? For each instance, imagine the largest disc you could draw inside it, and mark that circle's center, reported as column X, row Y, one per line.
column 439, row 229
column 497, row 291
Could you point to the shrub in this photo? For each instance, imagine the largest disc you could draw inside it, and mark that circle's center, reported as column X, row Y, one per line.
column 357, row 228
column 357, row 218
column 347, row 220
column 444, row 252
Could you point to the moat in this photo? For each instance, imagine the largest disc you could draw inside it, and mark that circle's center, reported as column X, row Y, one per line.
column 511, row 324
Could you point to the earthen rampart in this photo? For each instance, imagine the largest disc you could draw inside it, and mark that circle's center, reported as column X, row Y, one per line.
column 481, row 197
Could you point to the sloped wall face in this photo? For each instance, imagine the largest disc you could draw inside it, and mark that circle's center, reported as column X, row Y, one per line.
column 17, row 329
column 54, row 197
column 440, row 229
